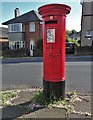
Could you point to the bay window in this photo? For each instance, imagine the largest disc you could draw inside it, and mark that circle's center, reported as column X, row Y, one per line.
column 15, row 45
column 17, row 27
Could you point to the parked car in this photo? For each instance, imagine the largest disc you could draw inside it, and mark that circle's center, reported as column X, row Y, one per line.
column 70, row 47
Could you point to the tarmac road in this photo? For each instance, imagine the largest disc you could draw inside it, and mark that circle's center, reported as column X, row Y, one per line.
column 25, row 75
column 69, row 58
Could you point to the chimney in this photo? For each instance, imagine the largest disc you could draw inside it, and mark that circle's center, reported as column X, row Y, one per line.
column 17, row 12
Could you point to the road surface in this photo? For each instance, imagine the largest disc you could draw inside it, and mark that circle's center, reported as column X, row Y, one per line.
column 26, row 75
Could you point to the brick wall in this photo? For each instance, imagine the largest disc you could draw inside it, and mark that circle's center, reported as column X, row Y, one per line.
column 32, row 35
column 85, row 50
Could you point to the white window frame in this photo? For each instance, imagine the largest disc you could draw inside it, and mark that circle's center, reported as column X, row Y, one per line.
column 89, row 34
column 17, row 27
column 31, row 26
column 13, row 45
column 41, row 23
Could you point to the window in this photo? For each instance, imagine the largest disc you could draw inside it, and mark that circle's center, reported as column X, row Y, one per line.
column 17, row 27
column 89, row 34
column 32, row 27
column 41, row 23
column 75, row 38
column 14, row 45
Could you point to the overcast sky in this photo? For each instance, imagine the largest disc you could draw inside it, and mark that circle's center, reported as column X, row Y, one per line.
column 73, row 19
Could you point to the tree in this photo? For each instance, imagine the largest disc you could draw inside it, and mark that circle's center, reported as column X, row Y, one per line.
column 68, row 32
column 67, row 38
column 39, row 44
column 73, row 31
column 38, row 50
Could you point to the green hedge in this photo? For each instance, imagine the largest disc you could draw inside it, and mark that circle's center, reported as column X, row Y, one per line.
column 38, row 52
column 15, row 53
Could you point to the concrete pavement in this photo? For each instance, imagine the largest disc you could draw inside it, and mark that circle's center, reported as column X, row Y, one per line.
column 22, row 110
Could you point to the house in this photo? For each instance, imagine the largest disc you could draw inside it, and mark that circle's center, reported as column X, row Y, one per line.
column 75, row 36
column 4, row 38
column 24, row 30
column 87, row 23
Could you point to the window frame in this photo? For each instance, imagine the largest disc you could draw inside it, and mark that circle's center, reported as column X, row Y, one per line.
column 15, row 45
column 32, row 28
column 17, row 27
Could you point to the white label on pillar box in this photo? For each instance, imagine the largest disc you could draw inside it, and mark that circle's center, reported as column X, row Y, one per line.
column 50, row 35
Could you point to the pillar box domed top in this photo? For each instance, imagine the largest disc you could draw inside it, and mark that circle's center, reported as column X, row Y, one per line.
column 54, row 9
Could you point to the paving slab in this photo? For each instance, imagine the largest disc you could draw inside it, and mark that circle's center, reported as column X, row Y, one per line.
column 22, row 109
column 46, row 113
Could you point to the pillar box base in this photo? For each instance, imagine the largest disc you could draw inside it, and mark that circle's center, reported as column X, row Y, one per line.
column 54, row 89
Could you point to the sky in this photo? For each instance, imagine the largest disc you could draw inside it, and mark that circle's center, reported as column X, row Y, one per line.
column 73, row 20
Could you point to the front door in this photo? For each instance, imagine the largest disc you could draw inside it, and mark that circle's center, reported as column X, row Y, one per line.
column 31, row 47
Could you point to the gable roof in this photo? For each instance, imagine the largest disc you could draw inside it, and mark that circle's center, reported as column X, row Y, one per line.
column 32, row 16
column 72, row 35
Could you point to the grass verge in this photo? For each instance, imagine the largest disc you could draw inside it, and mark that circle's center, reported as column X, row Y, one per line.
column 6, row 96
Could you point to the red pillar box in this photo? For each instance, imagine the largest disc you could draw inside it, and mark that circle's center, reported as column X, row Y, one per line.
column 54, row 35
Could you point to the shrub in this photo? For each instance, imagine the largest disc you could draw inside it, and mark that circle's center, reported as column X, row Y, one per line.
column 39, row 44
column 74, row 41
column 15, row 53
column 38, row 50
